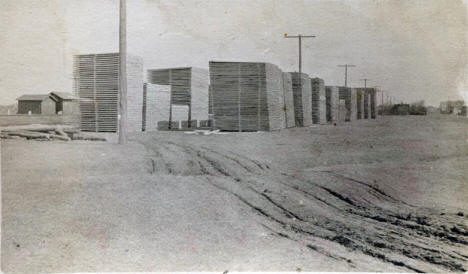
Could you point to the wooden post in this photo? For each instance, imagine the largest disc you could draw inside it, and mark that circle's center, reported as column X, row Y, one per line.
column 143, row 117
column 123, row 72
column 190, row 115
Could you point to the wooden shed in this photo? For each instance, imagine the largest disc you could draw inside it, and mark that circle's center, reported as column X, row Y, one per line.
column 302, row 92
column 189, row 87
column 36, row 104
column 65, row 103
column 247, row 96
column 97, row 84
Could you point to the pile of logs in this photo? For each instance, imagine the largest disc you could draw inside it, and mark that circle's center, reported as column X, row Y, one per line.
column 45, row 133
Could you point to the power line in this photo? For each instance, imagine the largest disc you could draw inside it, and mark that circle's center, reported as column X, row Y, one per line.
column 346, row 66
column 300, row 36
column 365, row 82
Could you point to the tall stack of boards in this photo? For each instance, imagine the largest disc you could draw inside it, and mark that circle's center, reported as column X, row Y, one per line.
column 302, row 93
column 288, row 108
column 319, row 107
column 247, row 96
column 332, row 99
column 97, row 84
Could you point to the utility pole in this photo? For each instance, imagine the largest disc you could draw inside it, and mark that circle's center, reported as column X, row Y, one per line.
column 123, row 73
column 300, row 36
column 346, row 66
column 365, row 82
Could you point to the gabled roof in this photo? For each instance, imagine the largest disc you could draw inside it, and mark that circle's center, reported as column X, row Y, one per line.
column 33, row 97
column 64, row 95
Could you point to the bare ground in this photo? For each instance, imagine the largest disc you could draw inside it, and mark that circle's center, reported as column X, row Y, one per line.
column 385, row 195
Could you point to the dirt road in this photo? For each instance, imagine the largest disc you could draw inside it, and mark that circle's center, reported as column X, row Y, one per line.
column 385, row 195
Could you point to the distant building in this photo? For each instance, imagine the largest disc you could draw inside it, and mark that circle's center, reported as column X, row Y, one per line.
column 452, row 107
column 65, row 103
column 400, row 109
column 36, row 104
column 464, row 111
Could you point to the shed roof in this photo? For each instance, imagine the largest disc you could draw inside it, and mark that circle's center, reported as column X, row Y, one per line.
column 64, row 95
column 33, row 97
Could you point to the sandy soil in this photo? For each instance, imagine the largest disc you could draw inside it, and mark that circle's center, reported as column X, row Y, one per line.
column 385, row 195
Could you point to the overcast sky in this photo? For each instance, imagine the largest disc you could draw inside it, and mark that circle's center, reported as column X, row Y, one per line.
column 414, row 50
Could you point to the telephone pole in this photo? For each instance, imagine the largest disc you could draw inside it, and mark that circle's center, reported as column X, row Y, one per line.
column 300, row 36
column 365, row 82
column 346, row 66
column 123, row 72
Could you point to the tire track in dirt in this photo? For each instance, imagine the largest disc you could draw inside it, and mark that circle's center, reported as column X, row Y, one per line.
column 389, row 235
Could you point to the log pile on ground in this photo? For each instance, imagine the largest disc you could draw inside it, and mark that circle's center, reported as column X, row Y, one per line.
column 45, row 133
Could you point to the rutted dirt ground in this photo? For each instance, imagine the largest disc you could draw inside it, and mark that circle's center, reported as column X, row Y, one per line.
column 385, row 195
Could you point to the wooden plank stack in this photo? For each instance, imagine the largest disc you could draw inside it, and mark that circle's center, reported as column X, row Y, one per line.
column 373, row 102
column 289, row 118
column 97, row 84
column 189, row 87
column 157, row 107
column 353, row 104
column 349, row 95
column 366, row 104
column 318, row 101
column 332, row 99
column 246, row 96
column 302, row 99
column 42, row 132
column 360, row 103
column 134, row 93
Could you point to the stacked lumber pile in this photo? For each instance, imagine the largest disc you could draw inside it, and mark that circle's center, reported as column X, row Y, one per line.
column 366, row 104
column 157, row 107
column 360, row 103
column 247, row 96
column 44, row 133
column 368, row 101
column 345, row 96
column 302, row 93
column 342, row 111
column 353, row 105
column 332, row 99
column 188, row 87
column 373, row 102
column 97, row 84
column 185, row 124
column 134, row 93
column 289, row 119
column 350, row 97
column 164, row 125
column 318, row 101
